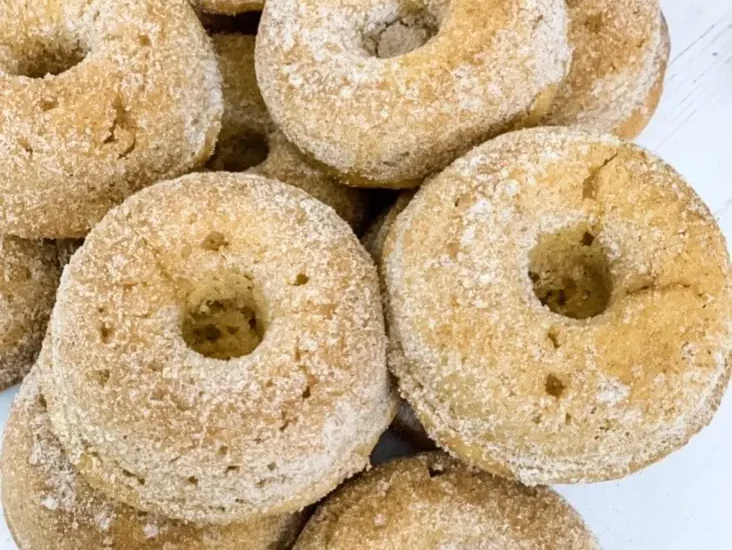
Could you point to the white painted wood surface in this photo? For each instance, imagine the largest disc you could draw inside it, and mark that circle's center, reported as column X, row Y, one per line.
column 685, row 501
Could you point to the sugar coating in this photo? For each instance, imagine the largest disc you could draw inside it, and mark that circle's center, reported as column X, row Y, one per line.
column 620, row 52
column 154, row 424
column 246, row 120
column 49, row 505
column 390, row 122
column 434, row 502
column 142, row 103
column 502, row 381
column 29, row 275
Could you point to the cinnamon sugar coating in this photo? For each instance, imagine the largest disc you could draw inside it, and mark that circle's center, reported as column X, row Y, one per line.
column 218, row 351
column 100, row 99
column 432, row 502
column 387, row 92
column 49, row 506
column 561, row 304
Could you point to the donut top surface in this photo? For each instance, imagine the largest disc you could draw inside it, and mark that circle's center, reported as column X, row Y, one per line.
column 249, row 140
column 219, row 337
column 49, row 505
column 98, row 99
column 561, row 302
column 387, row 92
column 620, row 49
column 433, row 502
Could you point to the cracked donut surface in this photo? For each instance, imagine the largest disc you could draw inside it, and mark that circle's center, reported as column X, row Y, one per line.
column 101, row 98
column 559, row 307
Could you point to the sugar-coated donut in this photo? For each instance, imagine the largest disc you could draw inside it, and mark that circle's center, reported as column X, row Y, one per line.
column 218, row 351
column 405, row 421
column 29, row 274
column 559, row 305
column 49, row 506
column 99, row 99
column 433, row 502
column 228, row 7
column 386, row 92
column 620, row 52
column 249, row 139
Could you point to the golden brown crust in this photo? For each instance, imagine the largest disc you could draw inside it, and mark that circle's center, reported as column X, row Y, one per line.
column 502, row 380
column 265, row 433
column 136, row 99
column 48, row 506
column 29, row 274
column 432, row 502
column 334, row 81
column 249, row 139
column 621, row 48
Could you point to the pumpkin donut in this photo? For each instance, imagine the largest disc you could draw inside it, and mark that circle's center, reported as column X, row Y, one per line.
column 48, row 505
column 235, row 323
column 29, row 275
column 514, row 276
column 431, row 502
column 249, row 139
column 386, row 92
column 100, row 98
column 621, row 48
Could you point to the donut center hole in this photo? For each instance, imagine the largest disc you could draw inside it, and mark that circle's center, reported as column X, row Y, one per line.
column 49, row 59
column 570, row 272
column 401, row 35
column 224, row 319
column 239, row 152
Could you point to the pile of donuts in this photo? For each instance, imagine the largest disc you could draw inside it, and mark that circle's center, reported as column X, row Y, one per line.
column 239, row 246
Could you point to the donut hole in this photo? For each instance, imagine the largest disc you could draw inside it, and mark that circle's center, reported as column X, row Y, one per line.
column 49, row 59
column 570, row 273
column 239, row 152
column 400, row 35
column 224, row 319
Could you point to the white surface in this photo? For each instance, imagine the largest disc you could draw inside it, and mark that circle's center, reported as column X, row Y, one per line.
column 685, row 501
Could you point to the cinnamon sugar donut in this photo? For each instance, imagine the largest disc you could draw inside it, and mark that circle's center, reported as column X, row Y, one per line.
column 48, row 505
column 249, row 139
column 433, row 502
column 561, row 306
column 621, row 48
column 228, row 7
column 29, row 274
column 100, row 98
column 387, row 92
column 218, row 351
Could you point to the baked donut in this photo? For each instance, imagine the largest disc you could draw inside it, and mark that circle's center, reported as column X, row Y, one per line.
column 621, row 48
column 249, row 139
column 218, row 351
column 405, row 422
column 228, row 7
column 99, row 99
column 29, row 274
column 388, row 92
column 49, row 506
column 431, row 502
column 514, row 275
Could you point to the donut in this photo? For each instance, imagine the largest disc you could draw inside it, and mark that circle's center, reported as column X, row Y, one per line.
column 47, row 504
column 615, row 81
column 99, row 99
column 389, row 92
column 249, row 139
column 228, row 7
column 29, row 275
column 432, row 501
column 559, row 307
column 218, row 351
